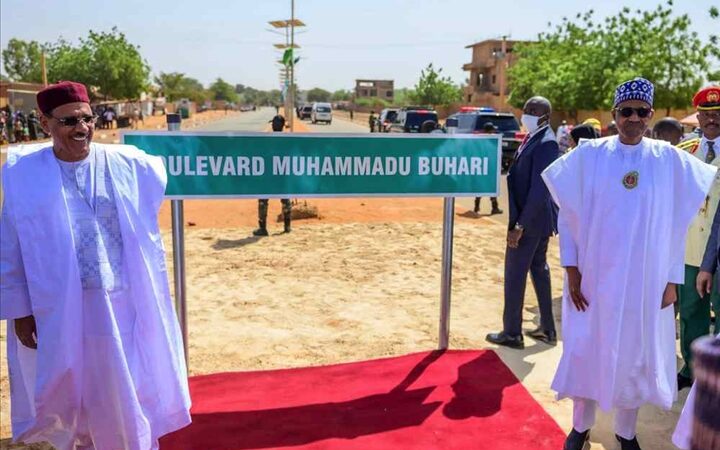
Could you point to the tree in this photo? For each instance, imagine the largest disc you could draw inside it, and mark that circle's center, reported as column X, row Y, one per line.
column 433, row 89
column 578, row 64
column 176, row 85
column 105, row 60
column 341, row 96
column 221, row 90
column 318, row 95
column 21, row 60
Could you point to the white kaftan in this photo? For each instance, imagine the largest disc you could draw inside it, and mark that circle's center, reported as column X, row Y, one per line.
column 109, row 369
column 628, row 243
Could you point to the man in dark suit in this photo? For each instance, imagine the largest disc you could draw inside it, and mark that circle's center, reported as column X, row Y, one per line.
column 533, row 219
column 709, row 265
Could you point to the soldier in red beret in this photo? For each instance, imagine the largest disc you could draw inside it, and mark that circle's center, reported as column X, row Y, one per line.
column 95, row 355
column 697, row 297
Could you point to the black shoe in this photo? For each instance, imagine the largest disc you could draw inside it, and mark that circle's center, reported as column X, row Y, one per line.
column 261, row 232
column 628, row 444
column 507, row 340
column 576, row 440
column 683, row 382
column 496, row 211
column 548, row 337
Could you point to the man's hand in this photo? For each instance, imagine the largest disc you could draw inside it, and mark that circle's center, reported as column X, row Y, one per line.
column 574, row 282
column 26, row 331
column 703, row 283
column 669, row 296
column 513, row 237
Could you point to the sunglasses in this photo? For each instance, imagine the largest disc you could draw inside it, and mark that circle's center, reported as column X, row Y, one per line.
column 72, row 121
column 628, row 112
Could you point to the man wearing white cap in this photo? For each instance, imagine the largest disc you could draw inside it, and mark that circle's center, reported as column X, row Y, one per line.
column 626, row 202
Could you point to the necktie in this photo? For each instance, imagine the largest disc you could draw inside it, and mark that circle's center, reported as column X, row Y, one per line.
column 710, row 155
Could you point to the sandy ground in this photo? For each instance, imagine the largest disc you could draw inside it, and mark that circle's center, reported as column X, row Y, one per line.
column 360, row 282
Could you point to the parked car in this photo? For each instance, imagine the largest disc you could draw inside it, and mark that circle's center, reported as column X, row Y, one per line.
column 321, row 112
column 410, row 119
column 386, row 118
column 471, row 120
column 305, row 112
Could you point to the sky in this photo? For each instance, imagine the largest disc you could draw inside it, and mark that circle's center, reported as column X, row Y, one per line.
column 343, row 41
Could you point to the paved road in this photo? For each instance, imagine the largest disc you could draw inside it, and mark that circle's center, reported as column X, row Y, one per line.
column 258, row 121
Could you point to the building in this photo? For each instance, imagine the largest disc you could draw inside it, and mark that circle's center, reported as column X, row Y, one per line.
column 383, row 89
column 19, row 96
column 488, row 84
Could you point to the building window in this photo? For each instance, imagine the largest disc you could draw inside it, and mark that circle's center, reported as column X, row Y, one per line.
column 493, row 79
column 470, row 98
column 388, row 94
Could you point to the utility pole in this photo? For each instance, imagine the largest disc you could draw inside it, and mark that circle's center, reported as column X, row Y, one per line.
column 503, row 65
column 291, row 89
column 44, row 69
column 288, row 71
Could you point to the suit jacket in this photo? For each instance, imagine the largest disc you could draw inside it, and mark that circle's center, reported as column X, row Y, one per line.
column 712, row 250
column 529, row 199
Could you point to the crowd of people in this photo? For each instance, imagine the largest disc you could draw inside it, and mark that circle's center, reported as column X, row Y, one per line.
column 95, row 353
column 18, row 127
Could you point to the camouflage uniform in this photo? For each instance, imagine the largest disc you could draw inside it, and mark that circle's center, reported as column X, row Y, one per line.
column 278, row 123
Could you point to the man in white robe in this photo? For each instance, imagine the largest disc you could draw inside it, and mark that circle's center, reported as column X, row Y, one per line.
column 94, row 349
column 625, row 203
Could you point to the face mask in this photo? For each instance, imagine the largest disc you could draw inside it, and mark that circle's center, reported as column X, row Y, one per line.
column 529, row 122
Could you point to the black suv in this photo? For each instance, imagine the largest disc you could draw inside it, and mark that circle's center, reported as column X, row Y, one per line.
column 409, row 120
column 473, row 120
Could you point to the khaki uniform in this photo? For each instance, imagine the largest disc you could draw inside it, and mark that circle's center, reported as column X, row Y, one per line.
column 694, row 310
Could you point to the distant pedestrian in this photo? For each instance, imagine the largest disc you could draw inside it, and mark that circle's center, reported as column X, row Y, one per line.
column 278, row 124
column 372, row 121
column 488, row 128
column 33, row 125
column 351, row 115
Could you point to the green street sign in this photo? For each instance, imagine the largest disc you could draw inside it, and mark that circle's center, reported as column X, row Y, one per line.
column 266, row 165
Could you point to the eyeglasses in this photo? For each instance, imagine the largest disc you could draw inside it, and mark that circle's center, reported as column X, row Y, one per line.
column 72, row 121
column 627, row 112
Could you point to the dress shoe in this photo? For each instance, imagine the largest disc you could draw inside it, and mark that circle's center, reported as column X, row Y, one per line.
column 496, row 211
column 548, row 337
column 502, row 338
column 576, row 440
column 628, row 444
column 683, row 382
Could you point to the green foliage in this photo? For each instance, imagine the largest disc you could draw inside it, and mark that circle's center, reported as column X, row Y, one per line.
column 433, row 89
column 578, row 64
column 714, row 76
column 175, row 86
column 404, row 97
column 372, row 102
column 105, row 60
column 341, row 96
column 21, row 60
column 221, row 90
column 318, row 95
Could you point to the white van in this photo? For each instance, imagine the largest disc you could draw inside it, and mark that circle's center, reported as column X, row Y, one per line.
column 321, row 112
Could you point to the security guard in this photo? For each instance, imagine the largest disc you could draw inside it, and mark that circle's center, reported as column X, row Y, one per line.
column 278, row 124
column 694, row 309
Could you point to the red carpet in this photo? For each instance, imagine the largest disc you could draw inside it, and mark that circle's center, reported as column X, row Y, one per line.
column 433, row 400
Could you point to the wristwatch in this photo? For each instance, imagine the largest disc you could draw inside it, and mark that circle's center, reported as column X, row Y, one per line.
column 519, row 227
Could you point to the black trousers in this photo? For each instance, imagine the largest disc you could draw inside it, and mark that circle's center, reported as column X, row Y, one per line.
column 530, row 256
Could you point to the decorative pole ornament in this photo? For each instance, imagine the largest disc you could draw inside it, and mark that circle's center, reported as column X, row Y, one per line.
column 630, row 180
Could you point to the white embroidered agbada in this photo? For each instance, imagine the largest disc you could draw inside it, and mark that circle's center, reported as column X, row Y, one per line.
column 628, row 243
column 109, row 363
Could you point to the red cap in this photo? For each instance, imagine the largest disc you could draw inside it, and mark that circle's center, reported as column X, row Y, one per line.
column 61, row 93
column 707, row 98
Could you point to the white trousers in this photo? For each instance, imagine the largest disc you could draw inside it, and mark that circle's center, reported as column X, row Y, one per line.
column 584, row 418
